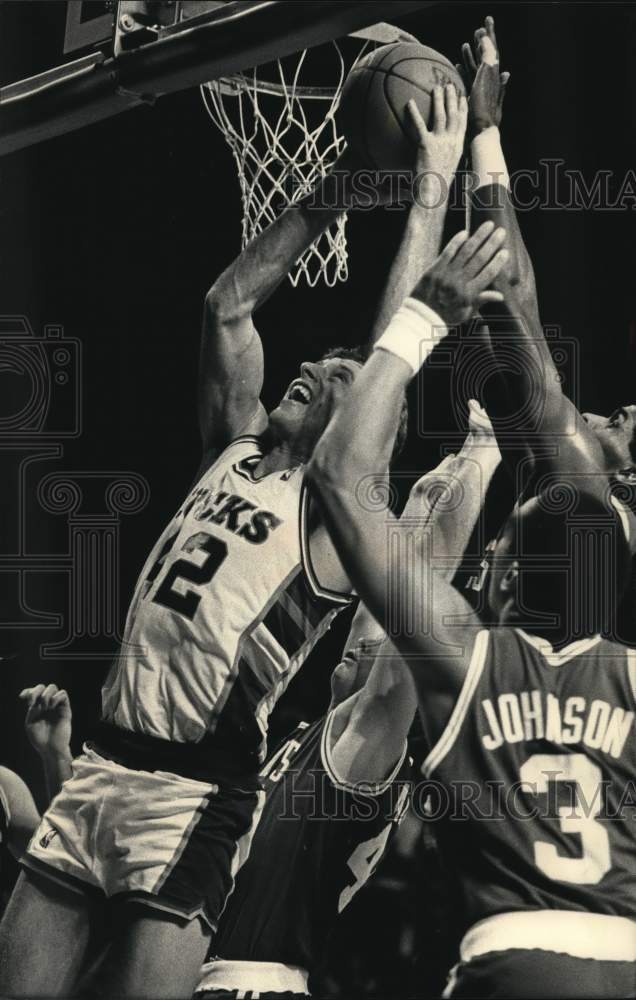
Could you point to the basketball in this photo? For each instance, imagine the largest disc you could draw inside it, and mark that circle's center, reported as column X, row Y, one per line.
column 373, row 115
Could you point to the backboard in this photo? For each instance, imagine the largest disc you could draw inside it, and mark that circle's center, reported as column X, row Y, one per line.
column 114, row 56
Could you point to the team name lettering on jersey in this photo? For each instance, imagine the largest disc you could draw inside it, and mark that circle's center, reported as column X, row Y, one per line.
column 233, row 512
column 535, row 715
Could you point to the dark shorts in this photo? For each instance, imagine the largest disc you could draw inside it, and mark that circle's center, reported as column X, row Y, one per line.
column 533, row 974
column 150, row 837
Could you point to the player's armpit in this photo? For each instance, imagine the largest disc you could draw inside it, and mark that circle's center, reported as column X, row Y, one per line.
column 446, row 502
column 23, row 814
column 326, row 567
column 367, row 733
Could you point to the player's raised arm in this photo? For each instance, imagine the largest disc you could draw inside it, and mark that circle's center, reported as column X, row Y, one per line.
column 357, row 444
column 438, row 153
column 545, row 420
column 491, row 200
column 369, row 729
column 558, row 438
column 231, row 358
column 448, row 500
column 490, row 188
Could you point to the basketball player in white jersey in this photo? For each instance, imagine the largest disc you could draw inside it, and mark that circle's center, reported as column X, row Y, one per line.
column 539, row 704
column 304, row 868
column 239, row 587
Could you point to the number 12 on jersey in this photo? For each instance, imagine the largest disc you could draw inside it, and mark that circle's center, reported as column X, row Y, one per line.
column 206, row 554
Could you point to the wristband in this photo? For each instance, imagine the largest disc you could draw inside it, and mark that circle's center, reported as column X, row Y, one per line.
column 413, row 333
column 488, row 160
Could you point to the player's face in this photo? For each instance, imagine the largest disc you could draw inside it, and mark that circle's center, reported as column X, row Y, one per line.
column 307, row 406
column 503, row 562
column 614, row 434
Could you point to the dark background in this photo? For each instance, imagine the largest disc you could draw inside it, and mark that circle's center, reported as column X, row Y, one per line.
column 116, row 232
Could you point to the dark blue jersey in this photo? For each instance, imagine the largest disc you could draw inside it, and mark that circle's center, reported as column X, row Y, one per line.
column 537, row 768
column 317, row 843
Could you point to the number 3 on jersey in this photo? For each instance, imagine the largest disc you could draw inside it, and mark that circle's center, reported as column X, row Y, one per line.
column 207, row 554
column 581, row 818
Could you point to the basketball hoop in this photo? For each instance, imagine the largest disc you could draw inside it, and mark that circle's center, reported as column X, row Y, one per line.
column 284, row 139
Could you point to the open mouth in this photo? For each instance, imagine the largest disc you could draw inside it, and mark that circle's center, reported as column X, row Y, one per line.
column 299, row 392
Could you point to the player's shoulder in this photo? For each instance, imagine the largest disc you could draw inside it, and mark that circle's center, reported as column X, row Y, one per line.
column 618, row 654
column 510, row 645
column 243, row 456
column 244, row 445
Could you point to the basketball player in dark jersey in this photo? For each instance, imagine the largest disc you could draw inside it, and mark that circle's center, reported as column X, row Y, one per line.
column 329, row 813
column 239, row 587
column 609, row 441
column 529, row 723
column 321, row 837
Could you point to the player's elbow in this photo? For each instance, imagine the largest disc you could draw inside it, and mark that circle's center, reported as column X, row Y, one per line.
column 224, row 307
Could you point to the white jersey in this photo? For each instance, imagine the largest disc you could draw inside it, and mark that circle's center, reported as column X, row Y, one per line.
column 224, row 613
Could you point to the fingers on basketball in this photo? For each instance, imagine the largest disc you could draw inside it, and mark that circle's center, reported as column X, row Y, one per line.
column 452, row 107
column 462, row 115
column 439, row 110
column 418, row 121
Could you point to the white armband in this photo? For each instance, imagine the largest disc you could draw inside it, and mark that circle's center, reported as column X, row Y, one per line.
column 488, row 160
column 413, row 333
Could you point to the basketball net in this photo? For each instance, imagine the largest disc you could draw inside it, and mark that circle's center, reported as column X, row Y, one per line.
column 284, row 140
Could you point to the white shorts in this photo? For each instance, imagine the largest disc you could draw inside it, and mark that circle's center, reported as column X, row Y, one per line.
column 151, row 837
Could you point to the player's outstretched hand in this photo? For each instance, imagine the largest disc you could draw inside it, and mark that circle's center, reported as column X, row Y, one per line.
column 481, row 74
column 48, row 721
column 440, row 147
column 457, row 284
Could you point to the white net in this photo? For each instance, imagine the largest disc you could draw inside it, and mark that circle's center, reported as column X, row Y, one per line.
column 284, row 139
